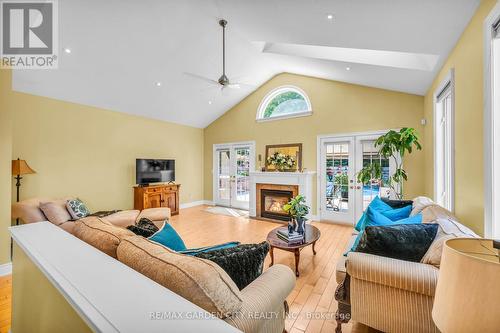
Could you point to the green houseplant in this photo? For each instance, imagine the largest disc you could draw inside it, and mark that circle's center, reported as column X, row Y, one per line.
column 392, row 145
column 297, row 209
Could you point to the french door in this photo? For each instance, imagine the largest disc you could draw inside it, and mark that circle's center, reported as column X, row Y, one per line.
column 232, row 166
column 342, row 198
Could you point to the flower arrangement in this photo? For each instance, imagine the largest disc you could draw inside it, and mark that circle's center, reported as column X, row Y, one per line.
column 281, row 161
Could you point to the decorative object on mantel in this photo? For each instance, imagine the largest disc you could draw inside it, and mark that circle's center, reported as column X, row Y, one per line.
column 284, row 157
column 298, row 211
column 393, row 145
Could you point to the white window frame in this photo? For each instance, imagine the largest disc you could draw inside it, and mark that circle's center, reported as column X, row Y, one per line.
column 275, row 92
column 491, row 133
column 446, row 88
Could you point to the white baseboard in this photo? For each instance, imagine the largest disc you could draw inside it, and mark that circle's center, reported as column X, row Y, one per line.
column 195, row 203
column 6, row 269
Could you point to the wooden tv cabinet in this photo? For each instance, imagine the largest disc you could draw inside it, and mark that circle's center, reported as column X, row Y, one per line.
column 155, row 196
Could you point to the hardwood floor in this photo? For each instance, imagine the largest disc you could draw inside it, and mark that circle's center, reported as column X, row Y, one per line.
column 312, row 303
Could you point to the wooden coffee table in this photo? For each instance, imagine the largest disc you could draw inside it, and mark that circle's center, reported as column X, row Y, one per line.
column 312, row 235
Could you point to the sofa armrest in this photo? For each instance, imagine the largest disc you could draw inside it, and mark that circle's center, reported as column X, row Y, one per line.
column 406, row 275
column 264, row 299
column 155, row 214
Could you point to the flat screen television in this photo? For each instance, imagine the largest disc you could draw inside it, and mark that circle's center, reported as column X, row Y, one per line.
column 154, row 171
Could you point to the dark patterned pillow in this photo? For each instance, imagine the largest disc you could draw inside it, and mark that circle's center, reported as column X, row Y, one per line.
column 77, row 209
column 402, row 241
column 145, row 228
column 243, row 263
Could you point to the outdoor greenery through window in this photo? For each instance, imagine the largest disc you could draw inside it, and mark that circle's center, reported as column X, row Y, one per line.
column 284, row 102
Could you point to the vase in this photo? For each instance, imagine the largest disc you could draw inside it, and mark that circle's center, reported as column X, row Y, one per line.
column 301, row 225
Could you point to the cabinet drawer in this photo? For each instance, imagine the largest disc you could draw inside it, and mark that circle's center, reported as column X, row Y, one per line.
column 170, row 188
column 153, row 190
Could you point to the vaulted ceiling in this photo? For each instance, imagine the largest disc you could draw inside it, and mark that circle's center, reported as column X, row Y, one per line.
column 133, row 56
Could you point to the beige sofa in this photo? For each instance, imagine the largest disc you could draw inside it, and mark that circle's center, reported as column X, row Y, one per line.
column 258, row 308
column 393, row 295
column 28, row 211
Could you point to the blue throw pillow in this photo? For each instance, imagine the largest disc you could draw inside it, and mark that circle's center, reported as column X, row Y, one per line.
column 375, row 218
column 376, row 204
column 398, row 214
column 167, row 236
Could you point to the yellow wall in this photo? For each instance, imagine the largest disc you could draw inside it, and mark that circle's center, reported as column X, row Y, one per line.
column 337, row 108
column 5, row 166
column 467, row 60
column 90, row 153
column 36, row 305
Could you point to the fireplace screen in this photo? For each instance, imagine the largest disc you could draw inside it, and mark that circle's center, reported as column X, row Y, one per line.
column 272, row 202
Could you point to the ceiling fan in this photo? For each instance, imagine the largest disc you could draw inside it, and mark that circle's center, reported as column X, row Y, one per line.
column 223, row 81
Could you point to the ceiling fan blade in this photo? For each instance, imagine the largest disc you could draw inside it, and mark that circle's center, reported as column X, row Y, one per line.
column 199, row 77
column 233, row 86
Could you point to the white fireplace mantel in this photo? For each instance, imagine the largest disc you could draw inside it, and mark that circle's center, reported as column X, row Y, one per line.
column 302, row 179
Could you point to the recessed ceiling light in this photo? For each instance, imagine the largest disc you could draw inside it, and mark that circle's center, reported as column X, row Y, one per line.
column 329, row 16
column 67, row 50
column 348, row 68
column 158, row 84
column 209, row 102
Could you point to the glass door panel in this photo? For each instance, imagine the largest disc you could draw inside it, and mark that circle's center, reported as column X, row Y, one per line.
column 223, row 177
column 242, row 177
column 336, row 170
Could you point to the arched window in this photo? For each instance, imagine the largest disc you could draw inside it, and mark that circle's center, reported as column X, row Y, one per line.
column 284, row 102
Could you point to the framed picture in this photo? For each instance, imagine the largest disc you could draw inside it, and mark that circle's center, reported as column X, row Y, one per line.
column 291, row 151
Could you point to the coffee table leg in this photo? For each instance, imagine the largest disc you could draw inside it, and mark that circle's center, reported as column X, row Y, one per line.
column 314, row 250
column 271, row 252
column 297, row 258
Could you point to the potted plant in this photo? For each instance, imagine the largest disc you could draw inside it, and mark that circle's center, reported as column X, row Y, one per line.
column 393, row 144
column 297, row 209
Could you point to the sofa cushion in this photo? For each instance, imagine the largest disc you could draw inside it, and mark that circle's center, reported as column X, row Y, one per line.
column 404, row 241
column 55, row 211
column 448, row 228
column 155, row 214
column 123, row 218
column 198, row 280
column 100, row 234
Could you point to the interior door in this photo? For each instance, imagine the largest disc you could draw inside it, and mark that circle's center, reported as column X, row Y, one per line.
column 337, row 175
column 342, row 198
column 232, row 172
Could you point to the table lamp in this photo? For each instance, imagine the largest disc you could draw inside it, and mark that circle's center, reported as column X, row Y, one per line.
column 467, row 295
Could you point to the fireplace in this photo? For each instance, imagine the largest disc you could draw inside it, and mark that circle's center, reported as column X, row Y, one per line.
column 272, row 202
column 270, row 199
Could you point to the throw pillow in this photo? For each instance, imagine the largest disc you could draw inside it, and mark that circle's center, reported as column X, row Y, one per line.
column 397, row 203
column 404, row 241
column 375, row 218
column 77, row 209
column 376, row 204
column 167, row 236
column 55, row 211
column 243, row 263
column 419, row 203
column 398, row 213
column 145, row 228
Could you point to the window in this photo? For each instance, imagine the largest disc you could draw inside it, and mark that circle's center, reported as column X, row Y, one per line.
column 284, row 102
column 492, row 124
column 444, row 174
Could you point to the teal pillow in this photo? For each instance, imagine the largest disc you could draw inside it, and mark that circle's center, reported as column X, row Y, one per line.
column 167, row 236
column 375, row 218
column 398, row 213
column 376, row 204
column 378, row 219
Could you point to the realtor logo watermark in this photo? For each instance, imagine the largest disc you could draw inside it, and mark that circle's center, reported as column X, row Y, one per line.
column 29, row 34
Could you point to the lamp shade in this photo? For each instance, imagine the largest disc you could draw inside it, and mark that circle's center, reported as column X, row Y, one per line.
column 20, row 167
column 468, row 290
